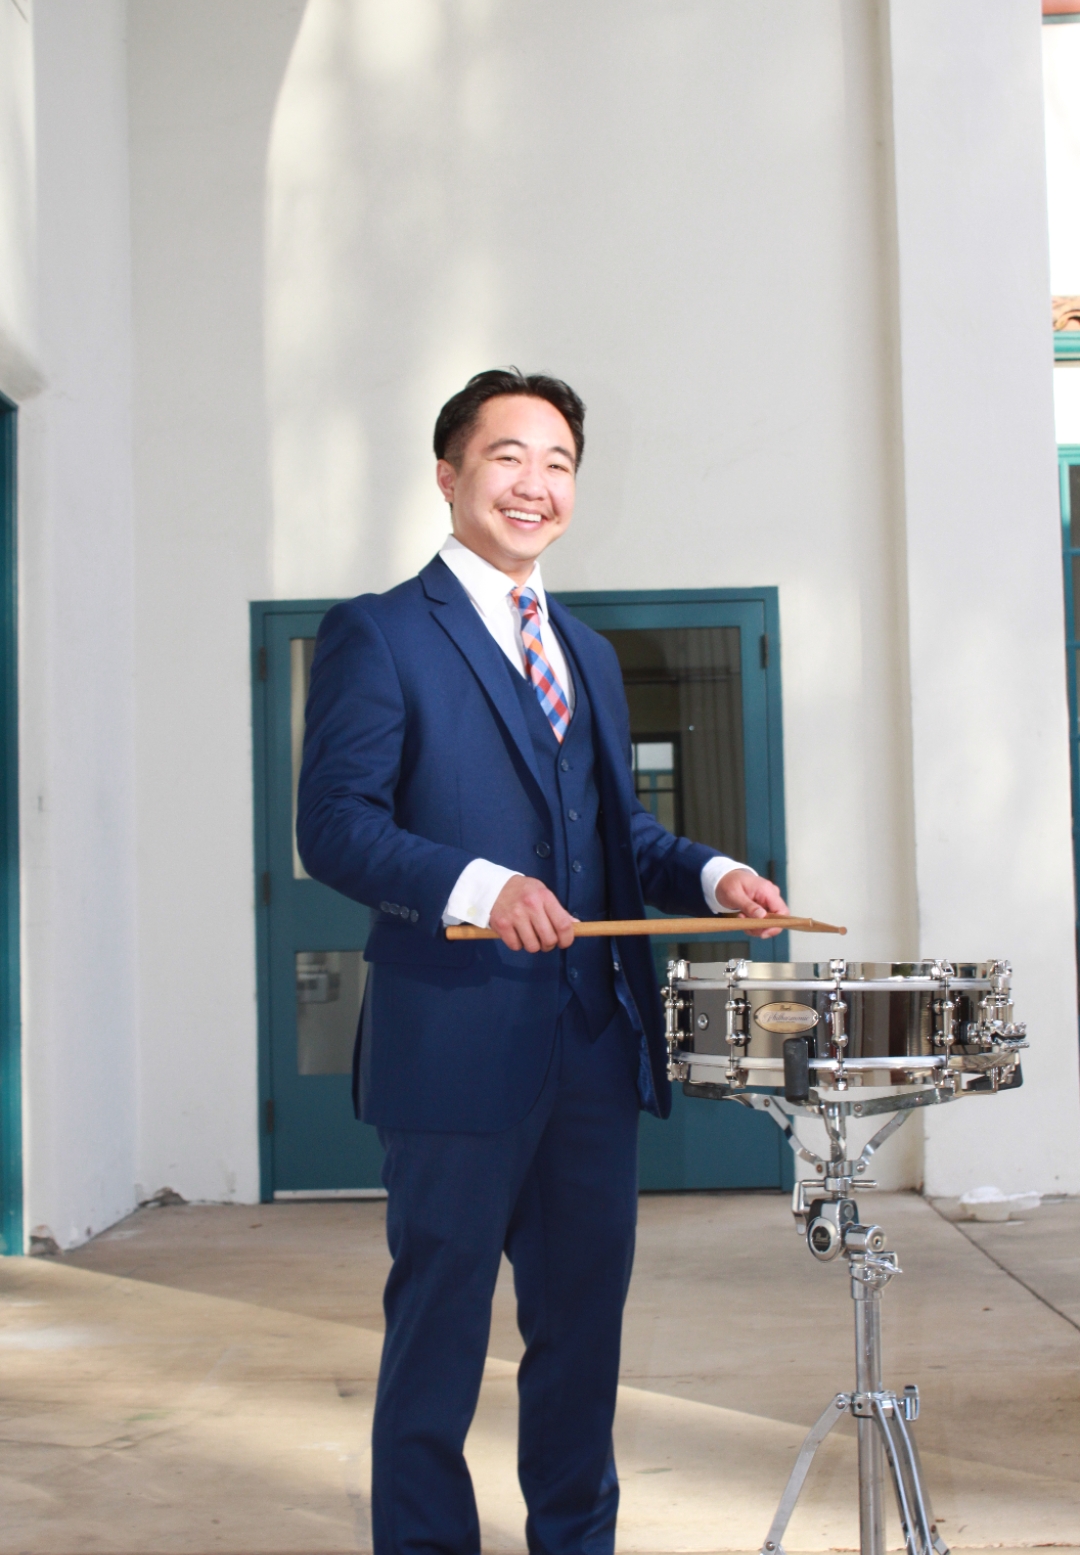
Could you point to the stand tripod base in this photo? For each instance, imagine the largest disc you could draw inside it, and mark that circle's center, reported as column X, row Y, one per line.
column 883, row 1419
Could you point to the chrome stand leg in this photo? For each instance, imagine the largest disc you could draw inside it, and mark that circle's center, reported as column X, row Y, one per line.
column 793, row 1489
column 867, row 1300
column 914, row 1503
column 881, row 1420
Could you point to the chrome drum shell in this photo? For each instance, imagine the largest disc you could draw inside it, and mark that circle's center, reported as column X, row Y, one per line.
column 887, row 1032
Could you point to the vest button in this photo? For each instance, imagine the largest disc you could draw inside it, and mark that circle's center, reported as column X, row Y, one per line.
column 572, row 974
column 576, row 866
column 564, row 764
column 543, row 850
column 572, row 814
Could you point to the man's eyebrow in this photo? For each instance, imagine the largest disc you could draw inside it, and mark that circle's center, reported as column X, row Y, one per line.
column 515, row 442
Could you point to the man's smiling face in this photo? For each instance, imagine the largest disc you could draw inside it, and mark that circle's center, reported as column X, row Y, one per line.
column 512, row 492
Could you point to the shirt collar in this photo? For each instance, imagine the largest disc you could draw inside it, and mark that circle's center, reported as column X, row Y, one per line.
column 485, row 585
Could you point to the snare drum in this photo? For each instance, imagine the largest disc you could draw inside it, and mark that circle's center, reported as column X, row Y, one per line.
column 863, row 1023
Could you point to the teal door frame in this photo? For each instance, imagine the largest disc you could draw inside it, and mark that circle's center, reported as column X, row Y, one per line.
column 756, row 611
column 262, row 616
column 11, row 1157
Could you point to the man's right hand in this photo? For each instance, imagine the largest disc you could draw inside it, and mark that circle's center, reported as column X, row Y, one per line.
column 527, row 916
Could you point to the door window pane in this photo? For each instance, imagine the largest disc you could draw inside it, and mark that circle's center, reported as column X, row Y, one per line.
column 301, row 653
column 684, row 689
column 329, row 988
column 656, row 779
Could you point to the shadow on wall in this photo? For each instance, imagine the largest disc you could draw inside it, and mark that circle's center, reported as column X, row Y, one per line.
column 374, row 302
column 454, row 186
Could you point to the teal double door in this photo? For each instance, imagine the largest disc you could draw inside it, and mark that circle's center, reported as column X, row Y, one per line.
column 702, row 682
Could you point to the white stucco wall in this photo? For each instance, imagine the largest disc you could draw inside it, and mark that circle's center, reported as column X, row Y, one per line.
column 19, row 373
column 685, row 217
column 204, row 78
column 452, row 188
column 682, row 216
column 689, row 217
column 1061, row 77
column 340, row 210
column 989, row 717
column 76, row 670
column 1061, row 74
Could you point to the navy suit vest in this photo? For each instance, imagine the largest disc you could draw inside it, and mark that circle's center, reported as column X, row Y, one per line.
column 573, row 865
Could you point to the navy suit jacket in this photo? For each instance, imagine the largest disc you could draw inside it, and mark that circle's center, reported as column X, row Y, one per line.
column 417, row 760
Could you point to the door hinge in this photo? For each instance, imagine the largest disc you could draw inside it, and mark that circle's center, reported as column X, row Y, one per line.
column 764, row 650
column 270, row 1115
column 266, row 888
column 263, row 665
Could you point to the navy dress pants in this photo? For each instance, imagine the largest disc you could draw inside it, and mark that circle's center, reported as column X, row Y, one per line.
column 558, row 1193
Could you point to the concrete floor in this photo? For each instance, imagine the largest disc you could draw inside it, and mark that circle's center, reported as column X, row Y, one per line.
column 201, row 1378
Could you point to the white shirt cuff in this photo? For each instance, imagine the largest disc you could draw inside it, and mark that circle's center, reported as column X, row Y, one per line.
column 711, row 876
column 475, row 892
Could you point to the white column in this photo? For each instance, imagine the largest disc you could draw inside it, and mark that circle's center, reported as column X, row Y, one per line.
column 986, row 629
column 77, row 670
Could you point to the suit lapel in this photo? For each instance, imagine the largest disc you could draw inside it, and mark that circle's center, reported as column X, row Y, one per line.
column 458, row 618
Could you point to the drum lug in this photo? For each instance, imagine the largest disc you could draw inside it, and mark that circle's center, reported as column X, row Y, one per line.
column 737, row 1011
column 737, row 1021
column 674, row 1003
column 944, row 1009
column 836, row 1017
column 995, row 1026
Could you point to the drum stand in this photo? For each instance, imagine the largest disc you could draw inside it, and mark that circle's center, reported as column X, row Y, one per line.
column 827, row 1211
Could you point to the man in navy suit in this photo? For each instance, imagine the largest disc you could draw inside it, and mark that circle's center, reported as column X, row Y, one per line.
column 467, row 760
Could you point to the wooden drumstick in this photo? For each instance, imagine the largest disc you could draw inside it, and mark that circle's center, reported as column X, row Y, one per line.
column 670, row 928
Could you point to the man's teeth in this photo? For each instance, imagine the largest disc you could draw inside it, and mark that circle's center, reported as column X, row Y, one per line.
column 527, row 518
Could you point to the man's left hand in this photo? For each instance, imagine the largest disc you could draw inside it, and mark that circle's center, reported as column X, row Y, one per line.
column 752, row 896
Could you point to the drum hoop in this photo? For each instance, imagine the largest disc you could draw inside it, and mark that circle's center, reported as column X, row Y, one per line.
column 825, row 984
column 914, row 1063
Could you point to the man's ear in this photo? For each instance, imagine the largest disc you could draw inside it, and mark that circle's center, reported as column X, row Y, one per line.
column 445, row 477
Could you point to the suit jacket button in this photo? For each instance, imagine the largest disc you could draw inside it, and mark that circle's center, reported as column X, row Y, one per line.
column 543, row 850
column 616, row 966
column 414, row 916
column 576, row 866
column 564, row 764
column 385, row 907
column 572, row 814
column 572, row 974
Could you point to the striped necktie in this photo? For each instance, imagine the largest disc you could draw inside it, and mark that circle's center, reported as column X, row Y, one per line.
column 547, row 688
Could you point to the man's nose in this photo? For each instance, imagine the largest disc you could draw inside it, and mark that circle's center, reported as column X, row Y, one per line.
column 529, row 483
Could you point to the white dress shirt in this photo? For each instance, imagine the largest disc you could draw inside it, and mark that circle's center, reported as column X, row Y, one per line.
column 480, row 882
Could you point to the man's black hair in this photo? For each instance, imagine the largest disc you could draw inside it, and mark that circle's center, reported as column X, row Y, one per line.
column 457, row 420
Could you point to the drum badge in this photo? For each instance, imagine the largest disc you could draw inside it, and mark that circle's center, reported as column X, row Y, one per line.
column 786, row 1018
